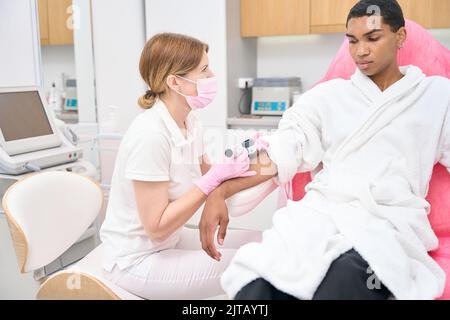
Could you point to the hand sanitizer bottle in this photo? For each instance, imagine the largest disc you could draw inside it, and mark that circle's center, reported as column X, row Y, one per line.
column 54, row 98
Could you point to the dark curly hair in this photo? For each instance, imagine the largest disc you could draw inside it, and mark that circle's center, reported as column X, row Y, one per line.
column 390, row 10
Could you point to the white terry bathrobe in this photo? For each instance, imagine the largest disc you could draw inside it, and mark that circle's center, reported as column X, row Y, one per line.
column 377, row 151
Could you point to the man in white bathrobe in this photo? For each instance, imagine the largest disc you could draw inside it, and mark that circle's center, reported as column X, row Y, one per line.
column 361, row 231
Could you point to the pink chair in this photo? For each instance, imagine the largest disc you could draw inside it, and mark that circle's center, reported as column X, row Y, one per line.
column 422, row 50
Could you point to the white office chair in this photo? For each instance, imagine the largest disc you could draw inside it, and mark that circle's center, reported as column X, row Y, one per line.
column 47, row 213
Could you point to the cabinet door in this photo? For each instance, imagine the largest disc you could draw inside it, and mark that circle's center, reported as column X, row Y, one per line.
column 60, row 31
column 418, row 11
column 428, row 13
column 330, row 15
column 274, row 17
column 440, row 16
column 43, row 21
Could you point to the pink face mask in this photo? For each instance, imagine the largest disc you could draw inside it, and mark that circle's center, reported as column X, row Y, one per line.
column 207, row 90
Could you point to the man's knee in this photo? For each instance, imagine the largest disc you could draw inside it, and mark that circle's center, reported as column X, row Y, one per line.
column 350, row 266
column 261, row 289
column 258, row 289
column 349, row 277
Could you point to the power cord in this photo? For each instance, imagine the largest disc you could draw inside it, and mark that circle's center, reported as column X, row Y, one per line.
column 244, row 94
column 32, row 167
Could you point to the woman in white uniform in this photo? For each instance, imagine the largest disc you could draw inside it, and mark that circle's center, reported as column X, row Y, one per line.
column 162, row 177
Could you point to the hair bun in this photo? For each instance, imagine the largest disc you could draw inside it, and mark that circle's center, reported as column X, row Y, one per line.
column 148, row 99
column 150, row 94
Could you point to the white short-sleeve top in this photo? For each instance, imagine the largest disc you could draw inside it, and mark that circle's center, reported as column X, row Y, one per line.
column 153, row 149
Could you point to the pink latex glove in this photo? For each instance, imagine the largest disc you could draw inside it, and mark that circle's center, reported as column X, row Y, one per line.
column 236, row 167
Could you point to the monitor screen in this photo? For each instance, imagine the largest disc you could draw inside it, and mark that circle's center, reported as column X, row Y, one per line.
column 22, row 116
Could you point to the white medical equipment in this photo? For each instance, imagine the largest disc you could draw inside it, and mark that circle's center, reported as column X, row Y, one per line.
column 71, row 101
column 273, row 96
column 29, row 136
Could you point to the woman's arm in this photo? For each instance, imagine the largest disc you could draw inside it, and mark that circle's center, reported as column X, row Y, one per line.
column 159, row 217
column 205, row 165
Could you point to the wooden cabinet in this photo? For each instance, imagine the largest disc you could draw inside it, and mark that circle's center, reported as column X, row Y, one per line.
column 330, row 15
column 274, row 17
column 55, row 22
column 43, row 21
column 428, row 13
column 419, row 11
column 441, row 17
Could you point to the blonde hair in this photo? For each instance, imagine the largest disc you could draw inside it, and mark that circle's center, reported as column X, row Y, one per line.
column 165, row 54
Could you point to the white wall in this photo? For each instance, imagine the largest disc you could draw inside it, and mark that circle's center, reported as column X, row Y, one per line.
column 241, row 57
column 84, row 61
column 55, row 61
column 118, row 38
column 19, row 49
column 308, row 56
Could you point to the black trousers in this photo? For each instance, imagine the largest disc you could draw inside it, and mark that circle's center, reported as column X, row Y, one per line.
column 347, row 279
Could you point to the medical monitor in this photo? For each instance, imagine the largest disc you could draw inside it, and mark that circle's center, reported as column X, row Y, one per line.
column 26, row 123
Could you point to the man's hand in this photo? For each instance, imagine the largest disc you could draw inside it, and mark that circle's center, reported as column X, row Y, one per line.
column 215, row 213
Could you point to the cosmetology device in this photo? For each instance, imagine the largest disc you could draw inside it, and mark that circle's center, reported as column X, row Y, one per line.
column 248, row 144
column 30, row 139
column 273, row 96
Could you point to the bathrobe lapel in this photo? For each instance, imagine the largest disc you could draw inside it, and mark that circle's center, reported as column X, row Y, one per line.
column 383, row 106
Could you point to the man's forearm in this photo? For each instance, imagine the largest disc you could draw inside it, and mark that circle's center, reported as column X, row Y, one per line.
column 265, row 170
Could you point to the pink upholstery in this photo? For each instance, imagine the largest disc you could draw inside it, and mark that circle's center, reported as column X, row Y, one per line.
column 422, row 50
column 438, row 196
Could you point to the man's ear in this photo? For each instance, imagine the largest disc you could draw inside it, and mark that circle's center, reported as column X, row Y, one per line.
column 172, row 83
column 401, row 37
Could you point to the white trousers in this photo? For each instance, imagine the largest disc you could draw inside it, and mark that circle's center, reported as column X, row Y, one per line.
column 185, row 272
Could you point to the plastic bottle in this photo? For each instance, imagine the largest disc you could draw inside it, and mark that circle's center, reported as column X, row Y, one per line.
column 54, row 98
